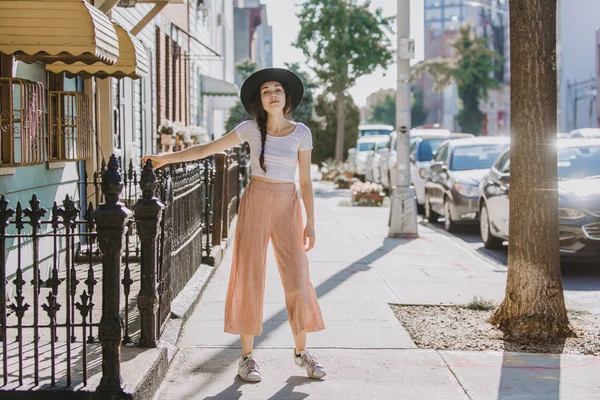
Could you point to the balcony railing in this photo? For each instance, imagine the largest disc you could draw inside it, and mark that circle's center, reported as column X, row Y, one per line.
column 21, row 123
column 70, row 126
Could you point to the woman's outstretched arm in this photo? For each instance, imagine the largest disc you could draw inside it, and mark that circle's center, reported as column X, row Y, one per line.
column 196, row 152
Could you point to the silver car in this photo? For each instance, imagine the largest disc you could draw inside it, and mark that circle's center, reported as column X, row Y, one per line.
column 422, row 152
column 363, row 154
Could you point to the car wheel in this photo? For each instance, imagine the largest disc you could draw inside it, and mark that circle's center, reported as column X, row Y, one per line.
column 489, row 241
column 449, row 225
column 420, row 207
column 431, row 215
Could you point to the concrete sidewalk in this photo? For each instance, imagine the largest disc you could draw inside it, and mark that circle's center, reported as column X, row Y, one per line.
column 357, row 271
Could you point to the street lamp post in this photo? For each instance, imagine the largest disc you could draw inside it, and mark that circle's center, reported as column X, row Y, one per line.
column 403, row 211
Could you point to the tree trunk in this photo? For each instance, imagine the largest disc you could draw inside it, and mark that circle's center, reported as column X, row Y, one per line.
column 339, row 140
column 534, row 306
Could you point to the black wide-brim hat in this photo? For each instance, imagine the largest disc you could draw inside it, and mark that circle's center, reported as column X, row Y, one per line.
column 290, row 81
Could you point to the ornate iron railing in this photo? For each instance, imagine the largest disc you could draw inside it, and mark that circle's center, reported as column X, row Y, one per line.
column 70, row 124
column 52, row 309
column 57, row 328
column 21, row 123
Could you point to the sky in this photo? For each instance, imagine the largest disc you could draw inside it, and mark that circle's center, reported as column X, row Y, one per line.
column 282, row 17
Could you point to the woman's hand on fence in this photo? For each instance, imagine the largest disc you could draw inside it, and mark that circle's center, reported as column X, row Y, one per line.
column 309, row 233
column 157, row 161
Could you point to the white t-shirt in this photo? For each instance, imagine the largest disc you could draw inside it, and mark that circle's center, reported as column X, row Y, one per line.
column 281, row 152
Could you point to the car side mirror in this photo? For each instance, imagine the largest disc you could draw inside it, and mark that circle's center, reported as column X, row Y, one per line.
column 412, row 158
column 504, row 178
column 438, row 167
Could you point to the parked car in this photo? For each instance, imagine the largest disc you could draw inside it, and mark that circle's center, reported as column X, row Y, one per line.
column 422, row 152
column 374, row 157
column 374, row 130
column 578, row 194
column 452, row 187
column 388, row 169
column 378, row 158
column 363, row 153
column 585, row 133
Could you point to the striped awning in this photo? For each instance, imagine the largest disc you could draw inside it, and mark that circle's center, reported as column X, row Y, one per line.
column 57, row 30
column 217, row 87
column 132, row 62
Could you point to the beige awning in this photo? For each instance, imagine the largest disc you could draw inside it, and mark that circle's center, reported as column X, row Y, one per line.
column 217, row 87
column 57, row 30
column 132, row 62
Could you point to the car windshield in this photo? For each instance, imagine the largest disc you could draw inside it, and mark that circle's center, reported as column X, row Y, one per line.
column 480, row 156
column 370, row 132
column 428, row 149
column 381, row 145
column 578, row 162
column 366, row 146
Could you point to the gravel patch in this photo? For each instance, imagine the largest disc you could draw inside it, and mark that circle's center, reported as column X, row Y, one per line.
column 464, row 329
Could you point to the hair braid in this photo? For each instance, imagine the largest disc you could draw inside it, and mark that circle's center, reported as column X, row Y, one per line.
column 261, row 121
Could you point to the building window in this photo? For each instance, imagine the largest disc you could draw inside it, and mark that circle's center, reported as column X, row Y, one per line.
column 70, row 135
column 21, row 123
column 434, row 14
column 452, row 13
column 159, row 69
column 168, row 81
column 436, row 25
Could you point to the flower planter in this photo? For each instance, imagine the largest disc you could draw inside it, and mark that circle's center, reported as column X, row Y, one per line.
column 367, row 198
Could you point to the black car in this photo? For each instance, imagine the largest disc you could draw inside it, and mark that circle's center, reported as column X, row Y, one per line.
column 578, row 194
column 452, row 187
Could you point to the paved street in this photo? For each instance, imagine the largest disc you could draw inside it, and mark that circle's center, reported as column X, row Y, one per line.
column 357, row 271
column 581, row 281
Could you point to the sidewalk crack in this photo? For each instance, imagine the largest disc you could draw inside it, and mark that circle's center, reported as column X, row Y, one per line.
column 465, row 391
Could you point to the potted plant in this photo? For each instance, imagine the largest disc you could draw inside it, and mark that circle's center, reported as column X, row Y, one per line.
column 329, row 169
column 198, row 134
column 342, row 181
column 165, row 130
column 368, row 193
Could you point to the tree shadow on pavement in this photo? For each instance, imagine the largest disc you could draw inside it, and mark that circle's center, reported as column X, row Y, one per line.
column 361, row 265
column 530, row 376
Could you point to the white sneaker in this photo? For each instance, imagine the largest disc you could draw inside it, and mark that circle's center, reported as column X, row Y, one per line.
column 248, row 369
column 313, row 368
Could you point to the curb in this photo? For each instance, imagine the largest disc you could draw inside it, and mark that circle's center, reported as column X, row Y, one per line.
column 459, row 242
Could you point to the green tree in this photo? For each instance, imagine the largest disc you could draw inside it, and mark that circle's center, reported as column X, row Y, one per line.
column 237, row 113
column 418, row 113
column 246, row 67
column 304, row 113
column 471, row 69
column 324, row 134
column 385, row 113
column 343, row 41
column 534, row 306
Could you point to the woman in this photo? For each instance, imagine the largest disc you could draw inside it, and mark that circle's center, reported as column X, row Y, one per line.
column 269, row 208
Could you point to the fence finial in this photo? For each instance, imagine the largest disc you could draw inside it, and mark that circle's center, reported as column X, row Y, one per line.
column 112, row 185
column 148, row 181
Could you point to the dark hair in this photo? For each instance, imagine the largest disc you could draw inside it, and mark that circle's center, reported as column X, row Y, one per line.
column 260, row 116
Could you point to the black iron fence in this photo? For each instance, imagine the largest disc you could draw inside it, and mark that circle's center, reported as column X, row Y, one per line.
column 64, row 315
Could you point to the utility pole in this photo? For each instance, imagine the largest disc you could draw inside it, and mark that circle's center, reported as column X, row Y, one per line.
column 403, row 212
